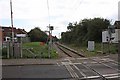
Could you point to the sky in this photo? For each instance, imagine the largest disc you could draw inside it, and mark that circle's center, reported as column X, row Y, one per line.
column 28, row 14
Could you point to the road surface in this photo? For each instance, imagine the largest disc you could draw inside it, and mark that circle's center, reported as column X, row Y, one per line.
column 96, row 68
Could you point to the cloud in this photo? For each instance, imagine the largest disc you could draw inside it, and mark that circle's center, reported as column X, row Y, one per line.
column 31, row 13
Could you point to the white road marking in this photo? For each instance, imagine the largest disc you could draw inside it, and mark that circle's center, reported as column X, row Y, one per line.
column 115, row 74
column 106, row 65
column 81, row 58
column 113, row 77
column 58, row 64
column 80, row 71
column 100, row 60
column 71, row 71
column 107, row 76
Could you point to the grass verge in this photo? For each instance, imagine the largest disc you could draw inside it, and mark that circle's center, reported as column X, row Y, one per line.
column 35, row 50
column 99, row 50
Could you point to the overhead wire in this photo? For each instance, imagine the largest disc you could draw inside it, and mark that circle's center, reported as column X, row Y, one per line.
column 74, row 9
column 71, row 14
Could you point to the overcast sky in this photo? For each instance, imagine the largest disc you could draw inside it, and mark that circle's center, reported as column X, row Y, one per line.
column 34, row 13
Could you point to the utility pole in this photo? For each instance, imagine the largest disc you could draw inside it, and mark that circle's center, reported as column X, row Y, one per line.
column 1, row 52
column 50, row 31
column 12, row 20
column 50, row 42
column 12, row 52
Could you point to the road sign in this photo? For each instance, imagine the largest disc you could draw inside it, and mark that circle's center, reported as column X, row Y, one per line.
column 21, row 35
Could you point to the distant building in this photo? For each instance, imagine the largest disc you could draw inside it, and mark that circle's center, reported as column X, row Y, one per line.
column 7, row 32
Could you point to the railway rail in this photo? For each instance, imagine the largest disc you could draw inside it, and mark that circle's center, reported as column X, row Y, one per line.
column 68, row 51
column 94, row 68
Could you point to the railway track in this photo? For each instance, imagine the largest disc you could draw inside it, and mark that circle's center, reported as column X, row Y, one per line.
column 68, row 51
column 94, row 68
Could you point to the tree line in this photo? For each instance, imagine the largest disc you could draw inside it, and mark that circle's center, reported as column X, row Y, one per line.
column 85, row 30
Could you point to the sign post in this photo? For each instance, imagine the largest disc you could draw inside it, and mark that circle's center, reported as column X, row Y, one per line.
column 50, row 42
column 21, row 36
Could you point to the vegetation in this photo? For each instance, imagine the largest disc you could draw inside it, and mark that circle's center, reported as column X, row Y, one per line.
column 98, row 49
column 37, row 50
column 79, row 34
column 34, row 50
column 85, row 30
column 36, row 35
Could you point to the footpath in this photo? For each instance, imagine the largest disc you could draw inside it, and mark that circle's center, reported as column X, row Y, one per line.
column 17, row 62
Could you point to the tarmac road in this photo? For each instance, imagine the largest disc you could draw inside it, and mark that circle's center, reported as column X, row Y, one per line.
column 65, row 69
column 36, row 71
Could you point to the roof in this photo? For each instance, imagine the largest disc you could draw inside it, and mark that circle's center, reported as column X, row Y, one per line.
column 117, row 24
column 15, row 29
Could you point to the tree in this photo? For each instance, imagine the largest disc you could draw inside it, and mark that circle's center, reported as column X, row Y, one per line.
column 70, row 26
column 36, row 35
column 85, row 30
column 95, row 28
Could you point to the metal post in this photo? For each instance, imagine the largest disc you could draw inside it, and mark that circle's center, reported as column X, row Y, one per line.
column 12, row 28
column 119, row 57
column 51, row 38
column 102, row 48
column 49, row 49
column 119, row 47
column 8, row 49
column 12, row 20
column 0, row 42
column 21, row 49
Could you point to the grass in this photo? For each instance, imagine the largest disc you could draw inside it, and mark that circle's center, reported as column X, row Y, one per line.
column 97, row 51
column 34, row 50
column 38, row 51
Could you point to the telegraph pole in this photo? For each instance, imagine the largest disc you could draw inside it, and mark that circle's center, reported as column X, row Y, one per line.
column 12, row 20
column 49, row 43
column 12, row 27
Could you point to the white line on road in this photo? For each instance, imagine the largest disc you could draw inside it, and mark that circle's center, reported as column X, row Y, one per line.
column 71, row 71
column 80, row 71
column 107, row 76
